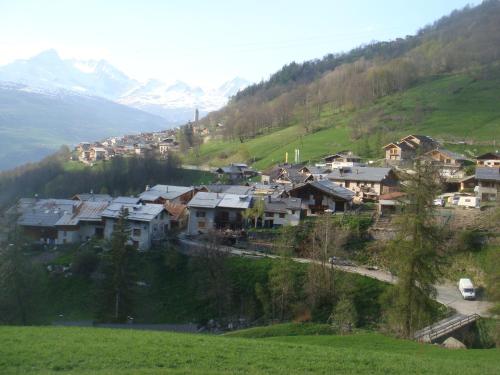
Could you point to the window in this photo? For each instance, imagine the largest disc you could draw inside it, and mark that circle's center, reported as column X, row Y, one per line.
column 136, row 232
column 269, row 214
column 293, row 212
column 200, row 213
column 201, row 224
column 282, row 216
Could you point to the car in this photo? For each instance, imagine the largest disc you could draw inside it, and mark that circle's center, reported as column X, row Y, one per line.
column 438, row 202
column 466, row 289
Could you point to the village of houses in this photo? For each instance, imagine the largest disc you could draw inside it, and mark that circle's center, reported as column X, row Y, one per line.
column 288, row 192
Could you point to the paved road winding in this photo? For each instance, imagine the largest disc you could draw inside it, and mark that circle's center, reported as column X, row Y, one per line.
column 447, row 293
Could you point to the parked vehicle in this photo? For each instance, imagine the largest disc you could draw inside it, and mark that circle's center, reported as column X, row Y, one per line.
column 472, row 202
column 438, row 202
column 466, row 289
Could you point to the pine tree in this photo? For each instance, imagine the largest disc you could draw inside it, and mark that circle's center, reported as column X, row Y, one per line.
column 119, row 275
column 414, row 254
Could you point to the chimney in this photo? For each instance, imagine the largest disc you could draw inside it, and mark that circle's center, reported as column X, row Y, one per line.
column 147, row 188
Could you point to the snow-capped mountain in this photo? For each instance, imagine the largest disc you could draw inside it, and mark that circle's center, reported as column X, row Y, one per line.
column 48, row 71
column 175, row 102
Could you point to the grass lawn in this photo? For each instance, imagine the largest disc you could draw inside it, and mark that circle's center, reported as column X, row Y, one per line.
column 45, row 350
column 450, row 108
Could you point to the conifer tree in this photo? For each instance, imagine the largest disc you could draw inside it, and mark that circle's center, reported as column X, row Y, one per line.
column 415, row 254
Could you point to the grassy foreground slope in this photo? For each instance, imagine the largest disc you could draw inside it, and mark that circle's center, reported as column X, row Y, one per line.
column 450, row 108
column 105, row 351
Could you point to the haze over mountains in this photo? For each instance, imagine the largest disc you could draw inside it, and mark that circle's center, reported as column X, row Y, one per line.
column 174, row 102
column 46, row 101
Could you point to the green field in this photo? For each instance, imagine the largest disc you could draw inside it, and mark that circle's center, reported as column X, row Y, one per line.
column 106, row 351
column 450, row 108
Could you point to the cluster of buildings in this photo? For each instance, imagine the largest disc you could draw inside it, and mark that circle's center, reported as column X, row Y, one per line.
column 157, row 145
column 285, row 195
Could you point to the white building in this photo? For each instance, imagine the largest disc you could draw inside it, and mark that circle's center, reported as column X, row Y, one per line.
column 281, row 211
column 148, row 222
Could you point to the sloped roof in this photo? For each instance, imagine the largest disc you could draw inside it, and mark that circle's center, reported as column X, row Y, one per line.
column 46, row 212
column 448, row 153
column 138, row 212
column 488, row 156
column 175, row 210
column 281, row 205
column 205, row 200
column 93, row 197
column 230, row 189
column 488, row 174
column 401, row 145
column 371, row 174
column 126, row 200
column 167, row 192
column 235, row 201
column 327, row 187
column 225, row 200
column 332, row 188
column 87, row 211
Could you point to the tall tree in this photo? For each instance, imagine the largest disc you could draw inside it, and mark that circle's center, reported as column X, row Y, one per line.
column 326, row 240
column 283, row 284
column 117, row 288
column 414, row 254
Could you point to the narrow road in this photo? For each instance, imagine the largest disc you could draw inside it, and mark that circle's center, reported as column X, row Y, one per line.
column 447, row 293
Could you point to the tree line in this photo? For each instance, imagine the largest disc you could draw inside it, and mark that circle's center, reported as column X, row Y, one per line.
column 53, row 177
column 299, row 93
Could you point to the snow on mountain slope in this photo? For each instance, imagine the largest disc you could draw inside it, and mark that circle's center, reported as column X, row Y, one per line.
column 175, row 102
column 179, row 98
column 48, row 71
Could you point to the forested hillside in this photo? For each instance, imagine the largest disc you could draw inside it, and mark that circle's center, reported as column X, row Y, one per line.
column 443, row 81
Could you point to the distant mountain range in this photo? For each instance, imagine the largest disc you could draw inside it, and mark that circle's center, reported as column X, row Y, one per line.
column 34, row 123
column 46, row 101
column 175, row 102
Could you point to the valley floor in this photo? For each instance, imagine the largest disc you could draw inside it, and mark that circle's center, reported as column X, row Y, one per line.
column 107, row 351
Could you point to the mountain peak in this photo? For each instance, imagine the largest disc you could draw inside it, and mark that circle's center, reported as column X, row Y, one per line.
column 47, row 55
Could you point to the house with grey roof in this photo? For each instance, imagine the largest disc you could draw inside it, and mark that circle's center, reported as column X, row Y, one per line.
column 408, row 147
column 319, row 196
column 489, row 159
column 450, row 164
column 38, row 217
column 236, row 172
column 84, row 223
column 228, row 189
column 148, row 222
column 488, row 183
column 281, row 211
column 161, row 194
column 212, row 211
column 366, row 182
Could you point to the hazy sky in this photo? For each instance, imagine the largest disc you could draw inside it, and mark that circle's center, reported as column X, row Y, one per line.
column 206, row 42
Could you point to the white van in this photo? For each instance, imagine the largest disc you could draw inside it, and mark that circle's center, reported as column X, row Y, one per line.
column 466, row 289
column 473, row 202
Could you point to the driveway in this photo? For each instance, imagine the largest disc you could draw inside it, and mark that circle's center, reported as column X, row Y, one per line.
column 447, row 293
